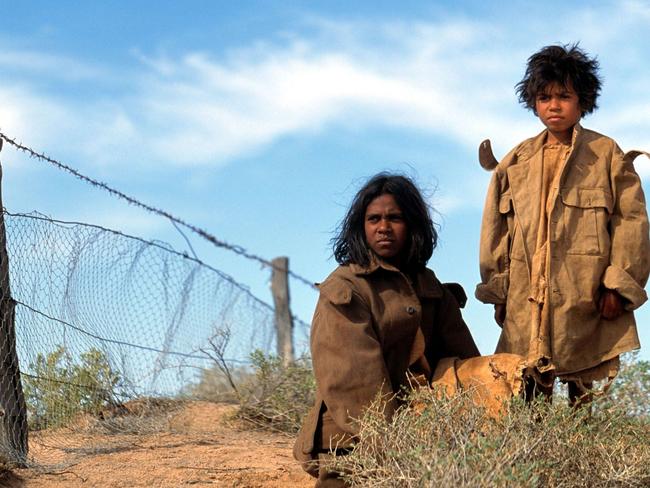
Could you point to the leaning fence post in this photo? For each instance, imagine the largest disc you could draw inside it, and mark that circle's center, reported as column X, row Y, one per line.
column 13, row 410
column 283, row 318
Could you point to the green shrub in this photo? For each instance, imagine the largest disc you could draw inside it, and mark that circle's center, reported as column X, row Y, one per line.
column 57, row 389
column 630, row 391
column 276, row 397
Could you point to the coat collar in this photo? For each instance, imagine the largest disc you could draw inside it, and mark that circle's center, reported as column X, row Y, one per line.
column 534, row 145
column 425, row 284
column 375, row 264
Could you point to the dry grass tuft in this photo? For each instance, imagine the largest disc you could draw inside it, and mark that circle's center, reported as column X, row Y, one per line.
column 449, row 442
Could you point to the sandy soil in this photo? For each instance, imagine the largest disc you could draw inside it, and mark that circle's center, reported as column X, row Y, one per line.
column 200, row 447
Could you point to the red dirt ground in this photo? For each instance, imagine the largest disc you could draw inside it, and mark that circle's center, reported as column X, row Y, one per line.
column 200, row 448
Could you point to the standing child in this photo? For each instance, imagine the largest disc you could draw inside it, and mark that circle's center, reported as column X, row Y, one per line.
column 565, row 253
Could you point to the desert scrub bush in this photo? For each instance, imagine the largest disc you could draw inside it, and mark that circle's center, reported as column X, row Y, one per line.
column 59, row 388
column 449, row 442
column 276, row 397
column 630, row 390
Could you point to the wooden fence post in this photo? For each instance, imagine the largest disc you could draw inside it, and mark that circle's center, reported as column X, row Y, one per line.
column 283, row 318
column 13, row 423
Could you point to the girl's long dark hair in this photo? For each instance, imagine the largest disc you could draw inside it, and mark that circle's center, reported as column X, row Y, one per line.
column 350, row 245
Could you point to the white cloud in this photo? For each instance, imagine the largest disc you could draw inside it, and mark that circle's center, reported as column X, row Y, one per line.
column 213, row 111
column 94, row 133
column 52, row 66
column 453, row 78
column 33, row 118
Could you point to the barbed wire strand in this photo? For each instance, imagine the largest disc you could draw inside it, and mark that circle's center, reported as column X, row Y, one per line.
column 237, row 249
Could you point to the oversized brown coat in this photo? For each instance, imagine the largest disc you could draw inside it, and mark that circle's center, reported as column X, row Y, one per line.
column 597, row 238
column 371, row 326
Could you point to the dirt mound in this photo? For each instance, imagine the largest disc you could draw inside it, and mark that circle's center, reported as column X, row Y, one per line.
column 200, row 447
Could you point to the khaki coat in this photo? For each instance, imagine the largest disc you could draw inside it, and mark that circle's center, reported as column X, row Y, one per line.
column 372, row 325
column 597, row 238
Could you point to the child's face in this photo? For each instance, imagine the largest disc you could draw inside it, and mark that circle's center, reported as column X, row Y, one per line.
column 385, row 229
column 558, row 107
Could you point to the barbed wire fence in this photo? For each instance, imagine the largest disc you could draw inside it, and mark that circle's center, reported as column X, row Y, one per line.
column 108, row 329
column 177, row 221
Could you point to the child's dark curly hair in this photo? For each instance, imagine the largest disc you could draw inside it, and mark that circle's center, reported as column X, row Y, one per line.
column 566, row 65
column 350, row 244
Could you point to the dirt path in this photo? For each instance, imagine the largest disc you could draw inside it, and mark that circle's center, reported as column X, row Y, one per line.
column 201, row 448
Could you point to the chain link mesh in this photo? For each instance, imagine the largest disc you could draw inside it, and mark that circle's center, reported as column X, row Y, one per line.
column 109, row 329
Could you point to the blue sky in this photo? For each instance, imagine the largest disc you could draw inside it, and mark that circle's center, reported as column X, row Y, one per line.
column 259, row 120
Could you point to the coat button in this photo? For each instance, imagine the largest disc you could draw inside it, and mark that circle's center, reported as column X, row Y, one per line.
column 410, row 310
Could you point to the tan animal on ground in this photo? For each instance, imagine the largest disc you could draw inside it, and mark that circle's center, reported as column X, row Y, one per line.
column 491, row 381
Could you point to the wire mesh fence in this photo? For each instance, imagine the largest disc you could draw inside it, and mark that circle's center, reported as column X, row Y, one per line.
column 109, row 329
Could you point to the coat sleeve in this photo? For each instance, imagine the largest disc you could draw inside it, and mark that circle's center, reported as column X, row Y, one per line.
column 455, row 338
column 347, row 356
column 629, row 262
column 495, row 244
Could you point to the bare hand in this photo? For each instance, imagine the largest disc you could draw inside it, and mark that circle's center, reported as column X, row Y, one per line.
column 500, row 313
column 610, row 305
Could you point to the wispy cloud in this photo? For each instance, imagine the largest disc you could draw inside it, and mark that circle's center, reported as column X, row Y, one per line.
column 212, row 110
column 48, row 65
column 442, row 77
column 38, row 117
